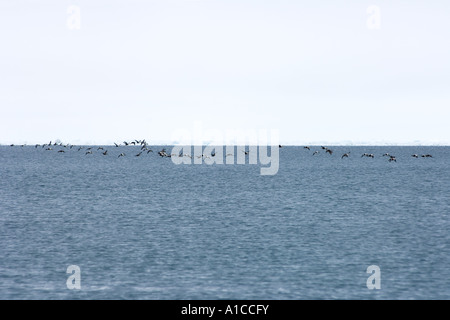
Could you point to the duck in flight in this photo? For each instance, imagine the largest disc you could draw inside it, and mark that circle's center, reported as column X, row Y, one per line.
column 163, row 153
column 121, row 155
column 345, row 155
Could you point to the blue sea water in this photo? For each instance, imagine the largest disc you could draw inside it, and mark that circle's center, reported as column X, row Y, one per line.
column 145, row 228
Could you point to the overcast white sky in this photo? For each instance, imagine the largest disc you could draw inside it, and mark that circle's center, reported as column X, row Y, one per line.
column 312, row 70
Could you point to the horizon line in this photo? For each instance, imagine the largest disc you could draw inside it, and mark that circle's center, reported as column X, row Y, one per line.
column 314, row 144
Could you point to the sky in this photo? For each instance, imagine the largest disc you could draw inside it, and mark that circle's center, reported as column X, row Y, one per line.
column 318, row 72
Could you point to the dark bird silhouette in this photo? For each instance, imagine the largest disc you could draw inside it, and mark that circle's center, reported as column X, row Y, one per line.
column 88, row 152
column 105, row 153
column 163, row 153
column 149, row 150
column 139, row 154
column 345, row 155
column 116, row 144
column 392, row 158
column 315, row 152
column 121, row 155
column 125, row 143
column 99, row 148
column 307, row 148
column 415, row 156
column 329, row 151
column 61, row 151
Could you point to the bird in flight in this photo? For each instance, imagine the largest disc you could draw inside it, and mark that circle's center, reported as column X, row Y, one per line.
column 392, row 158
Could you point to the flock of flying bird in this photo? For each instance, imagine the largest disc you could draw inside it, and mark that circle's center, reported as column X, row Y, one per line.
column 144, row 148
column 90, row 150
column 391, row 158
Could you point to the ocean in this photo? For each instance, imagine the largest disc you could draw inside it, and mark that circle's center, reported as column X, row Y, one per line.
column 146, row 228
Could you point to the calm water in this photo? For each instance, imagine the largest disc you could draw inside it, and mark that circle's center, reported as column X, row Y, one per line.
column 144, row 228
